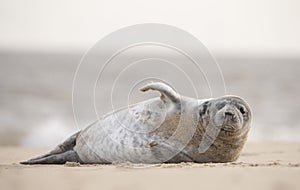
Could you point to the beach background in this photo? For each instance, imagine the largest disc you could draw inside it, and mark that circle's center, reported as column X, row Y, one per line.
column 256, row 45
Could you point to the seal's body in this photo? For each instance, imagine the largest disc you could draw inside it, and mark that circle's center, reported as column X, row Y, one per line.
column 171, row 128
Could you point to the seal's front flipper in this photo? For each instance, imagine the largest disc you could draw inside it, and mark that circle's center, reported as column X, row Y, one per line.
column 209, row 137
column 61, row 154
column 68, row 156
column 167, row 92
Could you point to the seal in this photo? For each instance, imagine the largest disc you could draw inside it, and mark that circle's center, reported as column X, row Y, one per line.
column 167, row 129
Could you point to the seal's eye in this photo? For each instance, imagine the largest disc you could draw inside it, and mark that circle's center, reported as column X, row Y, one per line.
column 242, row 110
column 204, row 109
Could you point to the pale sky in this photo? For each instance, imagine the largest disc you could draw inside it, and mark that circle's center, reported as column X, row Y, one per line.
column 246, row 27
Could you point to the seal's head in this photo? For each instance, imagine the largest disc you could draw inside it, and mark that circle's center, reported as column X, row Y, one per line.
column 226, row 122
column 232, row 114
column 229, row 113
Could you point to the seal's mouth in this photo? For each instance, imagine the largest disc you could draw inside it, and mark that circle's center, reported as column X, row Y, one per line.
column 230, row 127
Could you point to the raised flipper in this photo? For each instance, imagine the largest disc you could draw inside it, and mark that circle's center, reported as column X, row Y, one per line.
column 167, row 92
column 59, row 155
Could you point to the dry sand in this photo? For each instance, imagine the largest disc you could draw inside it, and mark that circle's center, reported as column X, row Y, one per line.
column 261, row 166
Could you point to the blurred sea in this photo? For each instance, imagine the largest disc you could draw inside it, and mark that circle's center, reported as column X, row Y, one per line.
column 36, row 96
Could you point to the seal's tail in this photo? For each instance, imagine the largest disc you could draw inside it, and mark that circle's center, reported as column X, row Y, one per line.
column 60, row 155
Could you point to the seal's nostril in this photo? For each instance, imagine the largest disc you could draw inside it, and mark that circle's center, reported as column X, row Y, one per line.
column 229, row 113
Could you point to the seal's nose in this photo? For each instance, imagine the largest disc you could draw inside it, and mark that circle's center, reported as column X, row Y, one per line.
column 229, row 113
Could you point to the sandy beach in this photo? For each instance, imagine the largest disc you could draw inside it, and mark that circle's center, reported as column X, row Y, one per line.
column 268, row 165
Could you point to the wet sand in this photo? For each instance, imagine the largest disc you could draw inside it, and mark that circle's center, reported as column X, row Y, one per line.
column 269, row 165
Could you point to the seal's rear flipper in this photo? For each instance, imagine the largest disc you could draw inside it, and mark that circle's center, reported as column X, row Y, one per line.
column 61, row 154
column 68, row 156
column 167, row 92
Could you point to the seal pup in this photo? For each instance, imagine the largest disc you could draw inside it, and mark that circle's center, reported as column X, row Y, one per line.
column 167, row 129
